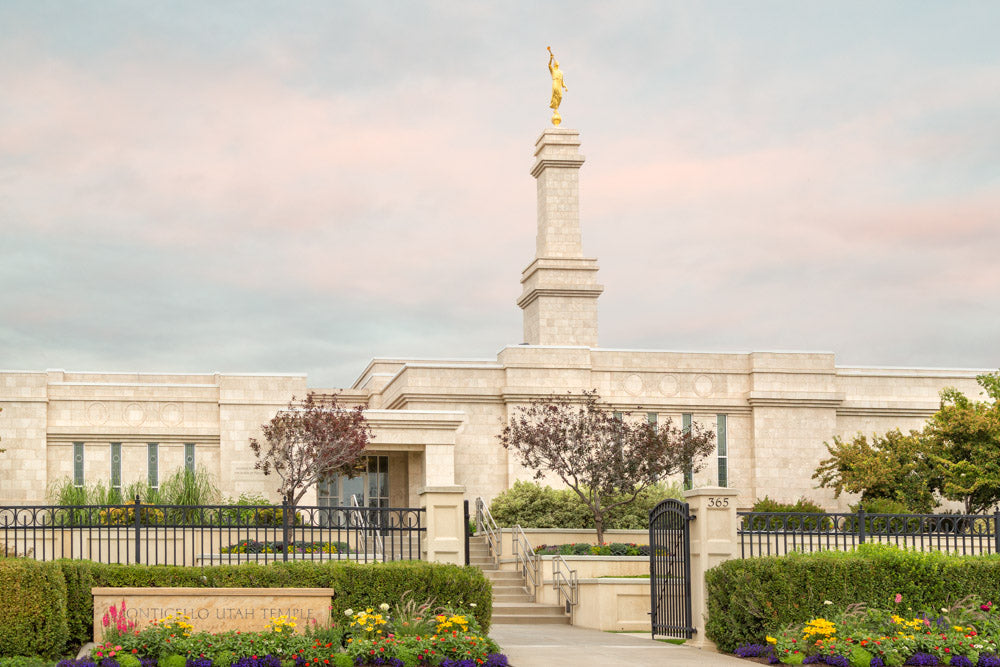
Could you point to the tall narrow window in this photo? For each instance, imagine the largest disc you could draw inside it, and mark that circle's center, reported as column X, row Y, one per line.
column 651, row 418
column 722, row 450
column 189, row 457
column 153, row 465
column 77, row 464
column 688, row 472
column 116, row 466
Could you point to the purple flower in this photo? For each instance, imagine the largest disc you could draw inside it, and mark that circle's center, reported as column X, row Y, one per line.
column 753, row 650
column 877, row 661
column 199, row 662
column 986, row 660
column 838, row 661
column 496, row 660
column 922, row 659
column 960, row 661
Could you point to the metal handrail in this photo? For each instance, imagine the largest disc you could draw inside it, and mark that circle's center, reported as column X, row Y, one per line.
column 486, row 525
column 366, row 527
column 565, row 583
column 526, row 558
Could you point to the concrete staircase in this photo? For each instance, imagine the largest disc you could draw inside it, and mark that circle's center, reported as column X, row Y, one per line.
column 512, row 603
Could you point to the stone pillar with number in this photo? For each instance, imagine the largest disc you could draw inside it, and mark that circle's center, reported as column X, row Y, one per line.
column 713, row 541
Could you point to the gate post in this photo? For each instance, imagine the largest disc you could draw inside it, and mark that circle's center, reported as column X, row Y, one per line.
column 713, row 541
column 446, row 525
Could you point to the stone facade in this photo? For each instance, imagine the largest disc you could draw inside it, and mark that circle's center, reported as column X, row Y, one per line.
column 437, row 421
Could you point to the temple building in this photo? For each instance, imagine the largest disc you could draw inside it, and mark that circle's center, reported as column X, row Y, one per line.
column 436, row 422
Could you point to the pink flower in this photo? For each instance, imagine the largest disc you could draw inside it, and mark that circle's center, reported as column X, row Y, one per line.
column 899, row 598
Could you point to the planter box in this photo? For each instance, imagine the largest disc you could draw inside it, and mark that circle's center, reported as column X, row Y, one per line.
column 613, row 605
column 540, row 536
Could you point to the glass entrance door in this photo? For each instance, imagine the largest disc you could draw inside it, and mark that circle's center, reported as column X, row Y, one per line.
column 369, row 487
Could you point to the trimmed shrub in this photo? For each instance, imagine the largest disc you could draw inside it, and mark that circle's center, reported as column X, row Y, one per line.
column 800, row 506
column 534, row 506
column 24, row 661
column 355, row 585
column 751, row 598
column 33, row 600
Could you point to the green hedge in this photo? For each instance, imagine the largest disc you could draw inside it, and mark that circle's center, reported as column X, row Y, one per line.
column 48, row 607
column 751, row 598
column 33, row 605
column 534, row 506
column 355, row 585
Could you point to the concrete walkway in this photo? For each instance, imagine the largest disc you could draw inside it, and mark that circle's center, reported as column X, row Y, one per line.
column 553, row 645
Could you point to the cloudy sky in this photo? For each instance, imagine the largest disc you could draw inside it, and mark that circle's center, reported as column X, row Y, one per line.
column 265, row 186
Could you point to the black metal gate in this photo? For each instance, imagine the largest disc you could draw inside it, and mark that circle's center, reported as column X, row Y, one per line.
column 670, row 570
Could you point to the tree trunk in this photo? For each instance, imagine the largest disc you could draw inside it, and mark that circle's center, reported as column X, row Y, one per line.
column 599, row 524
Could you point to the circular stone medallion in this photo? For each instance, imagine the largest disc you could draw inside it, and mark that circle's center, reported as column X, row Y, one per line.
column 703, row 385
column 170, row 414
column 633, row 385
column 669, row 385
column 134, row 414
column 97, row 413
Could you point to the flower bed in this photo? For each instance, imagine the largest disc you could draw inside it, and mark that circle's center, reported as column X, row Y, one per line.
column 966, row 634
column 412, row 635
column 259, row 547
column 586, row 549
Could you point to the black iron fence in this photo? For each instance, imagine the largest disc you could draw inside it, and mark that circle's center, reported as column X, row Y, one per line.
column 777, row 533
column 211, row 534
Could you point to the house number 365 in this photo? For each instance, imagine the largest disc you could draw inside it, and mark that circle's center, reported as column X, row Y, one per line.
column 718, row 502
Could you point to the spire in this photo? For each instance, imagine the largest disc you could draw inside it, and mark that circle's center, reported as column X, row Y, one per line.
column 560, row 289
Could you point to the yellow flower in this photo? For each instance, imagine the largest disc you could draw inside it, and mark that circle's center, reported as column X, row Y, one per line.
column 771, row 640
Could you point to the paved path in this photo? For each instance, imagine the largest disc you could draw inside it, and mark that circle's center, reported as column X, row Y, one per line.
column 554, row 645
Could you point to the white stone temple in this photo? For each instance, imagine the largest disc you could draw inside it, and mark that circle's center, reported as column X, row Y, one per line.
column 436, row 421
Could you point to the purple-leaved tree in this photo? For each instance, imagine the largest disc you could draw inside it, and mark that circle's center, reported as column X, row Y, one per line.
column 309, row 441
column 600, row 454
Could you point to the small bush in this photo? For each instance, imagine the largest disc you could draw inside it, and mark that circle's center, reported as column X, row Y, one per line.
column 800, row 506
column 534, row 506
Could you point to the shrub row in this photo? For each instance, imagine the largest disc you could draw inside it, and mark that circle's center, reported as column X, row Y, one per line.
column 751, row 598
column 534, row 506
column 587, row 549
column 48, row 607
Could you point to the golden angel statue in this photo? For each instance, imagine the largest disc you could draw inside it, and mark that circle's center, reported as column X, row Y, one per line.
column 557, row 87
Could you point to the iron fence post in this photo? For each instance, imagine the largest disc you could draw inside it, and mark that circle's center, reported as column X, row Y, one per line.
column 996, row 532
column 284, row 528
column 861, row 526
column 138, row 524
column 465, row 505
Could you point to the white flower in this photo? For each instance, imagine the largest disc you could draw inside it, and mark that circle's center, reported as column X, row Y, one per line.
column 384, row 606
column 472, row 604
column 943, row 610
column 348, row 612
column 827, row 602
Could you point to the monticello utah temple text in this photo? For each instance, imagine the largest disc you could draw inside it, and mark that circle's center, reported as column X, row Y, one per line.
column 435, row 422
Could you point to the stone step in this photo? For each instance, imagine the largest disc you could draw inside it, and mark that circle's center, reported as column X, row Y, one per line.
column 526, row 609
column 497, row 575
column 517, row 619
column 509, row 590
column 519, row 598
